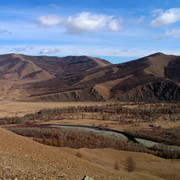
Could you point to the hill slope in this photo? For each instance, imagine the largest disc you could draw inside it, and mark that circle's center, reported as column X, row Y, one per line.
column 18, row 71
column 23, row 158
column 41, row 78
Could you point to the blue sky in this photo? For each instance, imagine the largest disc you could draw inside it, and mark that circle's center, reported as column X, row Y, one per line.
column 117, row 30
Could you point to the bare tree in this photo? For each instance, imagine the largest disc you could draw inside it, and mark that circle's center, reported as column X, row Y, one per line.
column 116, row 165
column 131, row 164
column 78, row 154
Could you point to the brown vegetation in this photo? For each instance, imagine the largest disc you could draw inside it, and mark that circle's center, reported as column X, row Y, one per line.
column 39, row 78
column 133, row 114
column 62, row 137
column 153, row 78
column 22, row 158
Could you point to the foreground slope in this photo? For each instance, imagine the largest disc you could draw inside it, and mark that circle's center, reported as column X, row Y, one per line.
column 23, row 158
column 42, row 78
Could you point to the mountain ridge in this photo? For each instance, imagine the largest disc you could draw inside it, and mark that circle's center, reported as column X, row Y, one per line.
column 83, row 78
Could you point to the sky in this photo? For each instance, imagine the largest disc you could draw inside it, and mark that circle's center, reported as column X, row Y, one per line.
column 116, row 30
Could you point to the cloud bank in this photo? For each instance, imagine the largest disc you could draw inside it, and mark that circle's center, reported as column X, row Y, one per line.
column 82, row 22
column 86, row 21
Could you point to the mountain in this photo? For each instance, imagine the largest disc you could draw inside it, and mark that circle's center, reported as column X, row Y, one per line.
column 20, row 73
column 81, row 78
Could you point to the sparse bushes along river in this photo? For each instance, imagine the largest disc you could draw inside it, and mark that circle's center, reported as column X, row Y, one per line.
column 62, row 137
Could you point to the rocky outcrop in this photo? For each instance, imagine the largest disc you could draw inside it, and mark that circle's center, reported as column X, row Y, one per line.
column 164, row 90
column 87, row 178
column 78, row 95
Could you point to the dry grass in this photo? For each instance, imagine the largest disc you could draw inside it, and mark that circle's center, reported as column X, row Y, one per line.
column 147, row 166
column 21, row 157
column 15, row 108
column 42, row 161
column 105, row 88
column 157, row 65
column 94, row 76
column 100, row 62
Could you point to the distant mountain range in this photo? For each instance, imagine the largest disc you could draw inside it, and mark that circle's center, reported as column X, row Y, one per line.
column 81, row 78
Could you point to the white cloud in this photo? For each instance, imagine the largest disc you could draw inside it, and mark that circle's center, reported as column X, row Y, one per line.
column 165, row 18
column 139, row 20
column 49, row 51
column 86, row 21
column 49, row 20
column 114, row 25
column 171, row 33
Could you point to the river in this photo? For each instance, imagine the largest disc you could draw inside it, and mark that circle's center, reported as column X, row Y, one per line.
column 123, row 136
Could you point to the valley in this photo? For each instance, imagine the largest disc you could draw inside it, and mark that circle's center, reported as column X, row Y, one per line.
column 77, row 116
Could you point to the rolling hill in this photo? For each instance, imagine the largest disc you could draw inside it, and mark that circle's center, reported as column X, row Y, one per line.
column 81, row 78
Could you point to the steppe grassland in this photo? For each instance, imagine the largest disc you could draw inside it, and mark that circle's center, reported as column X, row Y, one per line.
column 17, row 108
